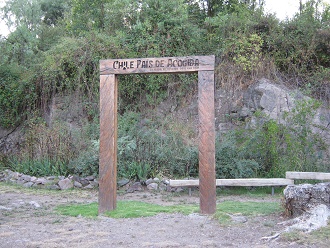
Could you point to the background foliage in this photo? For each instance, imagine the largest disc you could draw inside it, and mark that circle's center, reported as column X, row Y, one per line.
column 55, row 48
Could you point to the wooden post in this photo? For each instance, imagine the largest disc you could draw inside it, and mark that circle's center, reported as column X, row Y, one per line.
column 108, row 143
column 206, row 142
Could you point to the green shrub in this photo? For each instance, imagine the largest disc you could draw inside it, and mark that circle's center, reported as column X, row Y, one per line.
column 146, row 149
column 246, row 51
column 270, row 149
column 15, row 95
column 86, row 162
column 230, row 162
column 46, row 150
column 38, row 167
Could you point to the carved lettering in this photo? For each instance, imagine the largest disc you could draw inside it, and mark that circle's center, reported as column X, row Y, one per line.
column 115, row 64
column 182, row 63
column 171, row 64
column 160, row 63
column 123, row 65
column 138, row 63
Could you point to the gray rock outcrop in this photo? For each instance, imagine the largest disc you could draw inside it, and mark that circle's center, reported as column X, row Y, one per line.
column 275, row 100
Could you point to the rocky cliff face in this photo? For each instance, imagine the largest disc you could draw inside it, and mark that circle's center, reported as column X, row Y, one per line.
column 10, row 140
column 268, row 98
column 277, row 102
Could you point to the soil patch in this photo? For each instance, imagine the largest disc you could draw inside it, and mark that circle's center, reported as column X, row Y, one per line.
column 27, row 219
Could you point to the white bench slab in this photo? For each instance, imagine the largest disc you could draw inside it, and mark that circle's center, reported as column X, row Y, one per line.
column 307, row 175
column 236, row 182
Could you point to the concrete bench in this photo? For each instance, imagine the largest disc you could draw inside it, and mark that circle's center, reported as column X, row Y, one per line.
column 244, row 182
column 290, row 176
column 307, row 175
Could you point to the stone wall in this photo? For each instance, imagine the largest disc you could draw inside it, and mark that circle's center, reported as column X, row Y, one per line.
column 49, row 182
column 89, row 182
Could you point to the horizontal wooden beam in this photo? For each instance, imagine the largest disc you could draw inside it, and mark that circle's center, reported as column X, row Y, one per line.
column 157, row 65
column 236, row 182
column 307, row 175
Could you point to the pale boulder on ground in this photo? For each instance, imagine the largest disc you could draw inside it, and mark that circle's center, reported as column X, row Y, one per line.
column 65, row 184
column 301, row 198
column 312, row 220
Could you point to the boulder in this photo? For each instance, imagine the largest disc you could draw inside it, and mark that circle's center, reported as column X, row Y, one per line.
column 53, row 187
column 90, row 178
column 33, row 179
column 315, row 218
column 166, row 181
column 13, row 175
column 41, row 180
column 152, row 186
column 20, row 181
column 89, row 186
column 84, row 182
column 94, row 183
column 149, row 181
column 28, row 184
column 162, row 187
column 26, row 178
column 137, row 186
column 122, row 182
column 65, row 184
column 77, row 184
column 156, row 180
column 301, row 198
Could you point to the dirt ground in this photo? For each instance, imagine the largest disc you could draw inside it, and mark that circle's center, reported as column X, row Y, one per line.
column 27, row 219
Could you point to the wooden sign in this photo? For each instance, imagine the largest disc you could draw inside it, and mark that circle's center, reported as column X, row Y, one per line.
column 109, row 69
column 157, row 65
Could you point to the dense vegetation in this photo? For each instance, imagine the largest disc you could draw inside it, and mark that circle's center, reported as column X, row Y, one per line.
column 55, row 48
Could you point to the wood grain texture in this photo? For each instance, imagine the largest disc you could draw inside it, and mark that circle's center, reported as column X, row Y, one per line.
column 108, row 143
column 157, row 65
column 307, row 175
column 236, row 182
column 206, row 145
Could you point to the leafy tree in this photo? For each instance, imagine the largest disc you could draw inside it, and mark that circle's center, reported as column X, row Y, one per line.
column 214, row 7
column 19, row 13
column 15, row 94
column 53, row 11
column 87, row 15
column 299, row 40
column 25, row 18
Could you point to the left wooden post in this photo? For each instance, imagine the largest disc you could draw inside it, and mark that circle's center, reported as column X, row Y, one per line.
column 108, row 143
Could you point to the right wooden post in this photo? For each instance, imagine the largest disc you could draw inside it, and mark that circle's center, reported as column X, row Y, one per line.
column 206, row 147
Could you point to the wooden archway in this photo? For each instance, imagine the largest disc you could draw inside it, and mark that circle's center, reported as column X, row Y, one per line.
column 109, row 69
